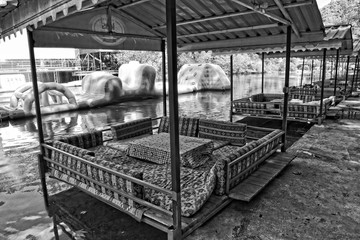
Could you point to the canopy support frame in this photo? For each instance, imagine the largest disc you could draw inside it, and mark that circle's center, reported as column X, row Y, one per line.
column 286, row 87
column 231, row 86
column 174, row 117
column 323, row 82
column 347, row 72
column 336, row 70
column 41, row 162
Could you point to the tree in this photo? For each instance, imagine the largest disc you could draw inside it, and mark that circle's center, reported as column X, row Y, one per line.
column 339, row 12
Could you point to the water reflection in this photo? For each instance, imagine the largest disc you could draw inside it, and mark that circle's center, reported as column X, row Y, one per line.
column 19, row 180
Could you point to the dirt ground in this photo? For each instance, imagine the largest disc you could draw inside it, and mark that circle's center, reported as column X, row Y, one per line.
column 316, row 197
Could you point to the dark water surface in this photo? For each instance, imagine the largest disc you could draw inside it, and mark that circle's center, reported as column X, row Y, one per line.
column 22, row 212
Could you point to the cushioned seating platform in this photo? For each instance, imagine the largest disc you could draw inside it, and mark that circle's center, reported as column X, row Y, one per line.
column 196, row 184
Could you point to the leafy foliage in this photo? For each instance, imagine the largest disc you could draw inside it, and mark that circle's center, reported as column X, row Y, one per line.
column 339, row 12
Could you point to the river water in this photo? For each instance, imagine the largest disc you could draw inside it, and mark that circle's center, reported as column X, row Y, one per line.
column 22, row 212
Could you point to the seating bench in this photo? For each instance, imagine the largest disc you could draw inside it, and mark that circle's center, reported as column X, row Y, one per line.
column 134, row 185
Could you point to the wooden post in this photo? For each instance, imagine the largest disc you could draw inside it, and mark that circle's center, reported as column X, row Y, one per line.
column 262, row 72
column 231, row 86
column 174, row 115
column 323, row 82
column 312, row 71
column 41, row 162
column 164, row 75
column 286, row 87
column 347, row 72
column 353, row 80
column 336, row 70
column 302, row 72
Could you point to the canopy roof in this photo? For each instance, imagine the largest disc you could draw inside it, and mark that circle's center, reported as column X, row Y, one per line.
column 140, row 24
column 337, row 37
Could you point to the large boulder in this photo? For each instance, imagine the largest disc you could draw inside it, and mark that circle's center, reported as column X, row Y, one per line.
column 205, row 76
column 137, row 78
column 101, row 88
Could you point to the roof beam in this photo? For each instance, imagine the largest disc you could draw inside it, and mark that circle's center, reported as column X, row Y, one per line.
column 287, row 16
column 132, row 4
column 263, row 12
column 235, row 14
column 229, row 30
column 307, row 37
column 83, row 31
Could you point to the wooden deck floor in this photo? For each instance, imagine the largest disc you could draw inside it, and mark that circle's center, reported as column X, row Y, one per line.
column 251, row 186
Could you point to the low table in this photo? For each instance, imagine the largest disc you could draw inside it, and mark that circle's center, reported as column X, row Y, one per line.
column 156, row 148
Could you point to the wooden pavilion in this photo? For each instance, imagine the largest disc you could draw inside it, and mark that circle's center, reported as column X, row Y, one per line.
column 165, row 25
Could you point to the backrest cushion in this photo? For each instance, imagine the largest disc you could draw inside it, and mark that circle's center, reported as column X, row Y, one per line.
column 187, row 126
column 132, row 129
column 84, row 140
column 225, row 131
column 305, row 98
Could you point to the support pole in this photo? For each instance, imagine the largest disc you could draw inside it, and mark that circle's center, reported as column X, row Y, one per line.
column 336, row 70
column 323, row 83
column 262, row 72
column 347, row 72
column 286, row 87
column 41, row 162
column 302, row 72
column 164, row 74
column 357, row 75
column 312, row 71
column 100, row 62
column 174, row 115
column 231, row 86
column 353, row 80
column 331, row 68
column 321, row 66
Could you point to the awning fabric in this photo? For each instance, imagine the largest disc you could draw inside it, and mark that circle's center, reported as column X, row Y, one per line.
column 201, row 25
column 83, row 26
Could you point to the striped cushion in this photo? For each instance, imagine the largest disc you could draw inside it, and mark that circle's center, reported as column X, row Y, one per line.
column 221, row 130
column 84, row 140
column 132, row 129
column 305, row 98
column 187, row 126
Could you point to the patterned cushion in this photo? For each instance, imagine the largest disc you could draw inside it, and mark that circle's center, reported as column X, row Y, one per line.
column 132, row 129
column 196, row 188
column 156, row 148
column 302, row 111
column 221, row 130
column 223, row 156
column 249, row 107
column 187, row 126
column 66, row 160
column 196, row 184
column 305, row 98
column 84, row 140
